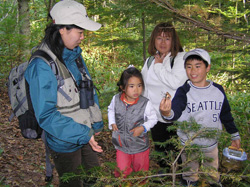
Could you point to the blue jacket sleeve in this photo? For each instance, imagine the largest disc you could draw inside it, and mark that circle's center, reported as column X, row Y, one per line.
column 43, row 92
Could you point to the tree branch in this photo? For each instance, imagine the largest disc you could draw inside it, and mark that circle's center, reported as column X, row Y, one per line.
column 239, row 36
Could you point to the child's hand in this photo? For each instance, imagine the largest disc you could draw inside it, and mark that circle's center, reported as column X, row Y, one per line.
column 114, row 127
column 236, row 143
column 137, row 131
column 165, row 105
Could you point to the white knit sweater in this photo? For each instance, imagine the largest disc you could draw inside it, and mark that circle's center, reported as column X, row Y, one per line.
column 160, row 78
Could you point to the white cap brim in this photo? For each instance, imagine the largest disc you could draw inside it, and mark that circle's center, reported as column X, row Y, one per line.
column 72, row 13
column 199, row 52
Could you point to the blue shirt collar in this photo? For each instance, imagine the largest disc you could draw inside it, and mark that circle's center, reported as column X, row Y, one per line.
column 71, row 55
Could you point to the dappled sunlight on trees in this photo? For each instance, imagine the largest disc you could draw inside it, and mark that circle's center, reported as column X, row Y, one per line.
column 221, row 27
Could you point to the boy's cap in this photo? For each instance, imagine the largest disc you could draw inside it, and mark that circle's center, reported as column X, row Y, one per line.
column 68, row 12
column 200, row 52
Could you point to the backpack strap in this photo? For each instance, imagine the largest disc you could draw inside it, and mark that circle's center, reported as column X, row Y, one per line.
column 82, row 69
column 51, row 62
column 49, row 166
column 150, row 60
column 81, row 66
column 172, row 62
column 17, row 108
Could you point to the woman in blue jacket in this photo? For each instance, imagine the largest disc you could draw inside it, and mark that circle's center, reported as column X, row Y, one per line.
column 68, row 125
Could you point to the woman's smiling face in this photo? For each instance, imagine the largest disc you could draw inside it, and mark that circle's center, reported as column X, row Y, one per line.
column 163, row 43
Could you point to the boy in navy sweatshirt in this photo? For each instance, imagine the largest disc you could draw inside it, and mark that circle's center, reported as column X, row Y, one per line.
column 205, row 102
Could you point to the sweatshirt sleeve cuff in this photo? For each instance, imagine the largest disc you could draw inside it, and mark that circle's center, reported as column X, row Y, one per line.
column 168, row 117
column 235, row 136
column 145, row 130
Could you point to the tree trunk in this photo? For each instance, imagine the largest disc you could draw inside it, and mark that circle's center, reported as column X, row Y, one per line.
column 144, row 37
column 24, row 29
column 49, row 6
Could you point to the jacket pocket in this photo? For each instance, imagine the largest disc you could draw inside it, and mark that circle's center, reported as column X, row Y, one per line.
column 116, row 139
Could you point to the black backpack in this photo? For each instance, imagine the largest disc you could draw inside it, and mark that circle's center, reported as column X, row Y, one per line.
column 18, row 91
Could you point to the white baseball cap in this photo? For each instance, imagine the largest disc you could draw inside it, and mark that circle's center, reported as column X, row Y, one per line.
column 200, row 52
column 68, row 12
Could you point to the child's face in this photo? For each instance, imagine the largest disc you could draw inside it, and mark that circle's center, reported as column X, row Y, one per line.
column 197, row 72
column 134, row 89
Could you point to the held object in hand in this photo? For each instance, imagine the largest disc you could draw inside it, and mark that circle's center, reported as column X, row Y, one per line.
column 234, row 153
column 233, row 159
column 167, row 96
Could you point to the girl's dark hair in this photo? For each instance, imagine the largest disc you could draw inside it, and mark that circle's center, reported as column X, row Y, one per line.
column 195, row 57
column 126, row 75
column 54, row 40
column 169, row 30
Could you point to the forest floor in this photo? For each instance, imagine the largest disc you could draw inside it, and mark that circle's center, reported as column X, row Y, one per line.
column 22, row 161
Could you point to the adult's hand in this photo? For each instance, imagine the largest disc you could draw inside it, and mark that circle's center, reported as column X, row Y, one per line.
column 97, row 133
column 95, row 145
column 159, row 58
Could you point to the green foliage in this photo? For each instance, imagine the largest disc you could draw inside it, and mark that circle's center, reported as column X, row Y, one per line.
column 119, row 43
column 12, row 43
column 2, row 182
column 121, row 36
column 100, row 62
column 8, row 42
column 103, row 176
column 166, row 178
column 1, row 151
column 38, row 21
column 193, row 130
column 240, row 106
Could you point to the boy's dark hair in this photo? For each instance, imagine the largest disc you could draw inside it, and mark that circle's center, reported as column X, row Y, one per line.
column 126, row 75
column 195, row 57
column 54, row 40
column 169, row 30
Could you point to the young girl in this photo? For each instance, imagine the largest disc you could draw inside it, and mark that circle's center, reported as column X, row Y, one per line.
column 130, row 117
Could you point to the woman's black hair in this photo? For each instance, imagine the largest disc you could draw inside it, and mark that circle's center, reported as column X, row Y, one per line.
column 126, row 75
column 195, row 57
column 54, row 40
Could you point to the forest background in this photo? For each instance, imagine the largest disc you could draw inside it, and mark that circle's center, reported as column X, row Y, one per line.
column 219, row 26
